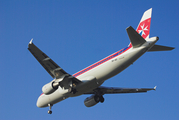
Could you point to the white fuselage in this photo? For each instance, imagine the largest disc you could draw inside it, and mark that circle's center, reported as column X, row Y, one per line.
column 94, row 75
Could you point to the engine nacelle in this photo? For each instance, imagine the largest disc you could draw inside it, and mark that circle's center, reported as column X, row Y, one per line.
column 91, row 101
column 49, row 88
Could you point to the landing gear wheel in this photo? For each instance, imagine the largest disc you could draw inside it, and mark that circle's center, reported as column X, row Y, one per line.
column 50, row 107
column 101, row 99
column 49, row 112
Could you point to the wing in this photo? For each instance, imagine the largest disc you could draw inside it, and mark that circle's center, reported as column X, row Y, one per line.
column 114, row 90
column 50, row 66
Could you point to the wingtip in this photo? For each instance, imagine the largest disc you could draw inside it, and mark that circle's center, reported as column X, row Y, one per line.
column 129, row 27
column 31, row 41
column 172, row 48
column 155, row 87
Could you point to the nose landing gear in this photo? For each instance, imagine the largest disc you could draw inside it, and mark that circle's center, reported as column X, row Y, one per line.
column 50, row 107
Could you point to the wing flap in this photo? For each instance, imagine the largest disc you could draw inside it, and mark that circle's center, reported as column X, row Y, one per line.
column 114, row 90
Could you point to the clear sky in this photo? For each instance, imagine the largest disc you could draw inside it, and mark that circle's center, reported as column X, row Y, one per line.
column 75, row 34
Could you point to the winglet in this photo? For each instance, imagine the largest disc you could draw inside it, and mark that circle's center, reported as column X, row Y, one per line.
column 31, row 41
column 155, row 87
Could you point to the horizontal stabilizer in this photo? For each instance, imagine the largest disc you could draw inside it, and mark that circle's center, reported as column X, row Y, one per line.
column 135, row 38
column 160, row 48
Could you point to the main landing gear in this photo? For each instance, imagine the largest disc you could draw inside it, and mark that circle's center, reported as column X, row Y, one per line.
column 99, row 98
column 50, row 107
column 72, row 90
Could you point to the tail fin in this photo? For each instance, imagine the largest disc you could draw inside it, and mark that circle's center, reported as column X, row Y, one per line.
column 144, row 25
column 143, row 31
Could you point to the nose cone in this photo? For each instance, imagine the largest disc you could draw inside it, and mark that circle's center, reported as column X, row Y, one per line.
column 38, row 104
column 41, row 102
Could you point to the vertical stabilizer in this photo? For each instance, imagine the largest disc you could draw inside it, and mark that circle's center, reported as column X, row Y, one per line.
column 144, row 26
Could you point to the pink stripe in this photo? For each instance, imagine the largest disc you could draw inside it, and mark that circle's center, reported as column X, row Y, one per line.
column 101, row 61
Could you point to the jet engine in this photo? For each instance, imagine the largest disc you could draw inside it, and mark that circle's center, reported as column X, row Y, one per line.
column 50, row 87
column 93, row 100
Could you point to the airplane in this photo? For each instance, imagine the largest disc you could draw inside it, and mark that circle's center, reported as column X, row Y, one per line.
column 90, row 79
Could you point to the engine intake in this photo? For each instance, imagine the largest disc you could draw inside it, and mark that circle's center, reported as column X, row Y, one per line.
column 50, row 87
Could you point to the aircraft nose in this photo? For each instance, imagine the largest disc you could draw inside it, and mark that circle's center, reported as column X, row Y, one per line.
column 41, row 102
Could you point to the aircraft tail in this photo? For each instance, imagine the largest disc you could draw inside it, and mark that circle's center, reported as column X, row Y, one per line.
column 143, row 29
column 141, row 35
column 144, row 25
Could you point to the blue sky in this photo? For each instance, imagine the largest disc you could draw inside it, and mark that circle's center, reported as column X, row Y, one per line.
column 75, row 34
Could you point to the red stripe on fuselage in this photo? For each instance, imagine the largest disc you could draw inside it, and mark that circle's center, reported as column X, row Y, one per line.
column 102, row 61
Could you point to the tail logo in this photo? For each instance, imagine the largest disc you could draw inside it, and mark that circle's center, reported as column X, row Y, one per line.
column 144, row 28
column 141, row 31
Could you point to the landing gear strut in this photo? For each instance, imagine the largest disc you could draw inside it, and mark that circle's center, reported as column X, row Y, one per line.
column 50, row 107
column 72, row 90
